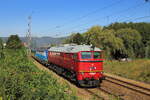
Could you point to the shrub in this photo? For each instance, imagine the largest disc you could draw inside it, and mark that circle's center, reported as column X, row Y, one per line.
column 21, row 80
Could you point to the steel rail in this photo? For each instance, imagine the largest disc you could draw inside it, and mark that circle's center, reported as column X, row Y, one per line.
column 130, row 84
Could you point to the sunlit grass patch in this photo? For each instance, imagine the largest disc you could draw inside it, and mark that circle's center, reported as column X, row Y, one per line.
column 136, row 69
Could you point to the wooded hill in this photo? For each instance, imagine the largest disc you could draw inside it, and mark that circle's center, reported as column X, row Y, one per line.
column 118, row 40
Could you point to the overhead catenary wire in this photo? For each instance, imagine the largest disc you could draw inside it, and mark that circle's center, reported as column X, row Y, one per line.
column 131, row 19
column 116, row 13
column 87, row 14
column 138, row 18
column 108, row 16
column 93, row 12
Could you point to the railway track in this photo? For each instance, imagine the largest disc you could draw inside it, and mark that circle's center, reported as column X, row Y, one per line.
column 94, row 92
column 103, row 94
column 84, row 93
column 105, row 90
column 126, row 88
column 121, row 88
column 130, row 84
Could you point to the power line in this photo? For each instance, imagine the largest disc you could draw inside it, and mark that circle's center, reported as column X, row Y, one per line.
column 138, row 18
column 109, row 16
column 93, row 12
column 88, row 14
column 132, row 13
column 118, row 12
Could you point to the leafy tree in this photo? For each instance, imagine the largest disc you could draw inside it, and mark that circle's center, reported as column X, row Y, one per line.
column 147, row 50
column 104, row 39
column 14, row 42
column 69, row 39
column 1, row 44
column 91, row 35
column 143, row 28
column 131, row 40
column 111, row 43
column 76, row 38
column 1, row 49
column 119, row 40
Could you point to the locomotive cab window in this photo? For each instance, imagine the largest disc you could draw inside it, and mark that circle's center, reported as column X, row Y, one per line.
column 97, row 55
column 86, row 55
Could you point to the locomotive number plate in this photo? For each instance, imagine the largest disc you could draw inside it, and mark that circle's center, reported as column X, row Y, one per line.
column 92, row 68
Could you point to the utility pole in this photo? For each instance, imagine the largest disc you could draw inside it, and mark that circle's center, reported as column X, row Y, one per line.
column 29, row 39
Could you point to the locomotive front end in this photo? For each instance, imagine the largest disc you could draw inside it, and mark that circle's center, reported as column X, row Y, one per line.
column 90, row 68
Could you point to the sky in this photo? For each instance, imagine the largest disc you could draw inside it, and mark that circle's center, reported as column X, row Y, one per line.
column 58, row 18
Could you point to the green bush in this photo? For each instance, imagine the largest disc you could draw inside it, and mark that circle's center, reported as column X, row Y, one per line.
column 21, row 80
column 14, row 42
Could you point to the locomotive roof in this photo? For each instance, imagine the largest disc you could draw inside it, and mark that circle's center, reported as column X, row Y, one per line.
column 73, row 48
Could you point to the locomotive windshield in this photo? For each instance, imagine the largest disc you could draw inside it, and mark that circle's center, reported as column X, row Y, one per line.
column 90, row 55
column 97, row 55
column 86, row 55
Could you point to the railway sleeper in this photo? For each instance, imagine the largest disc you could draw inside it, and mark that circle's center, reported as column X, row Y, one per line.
column 89, row 82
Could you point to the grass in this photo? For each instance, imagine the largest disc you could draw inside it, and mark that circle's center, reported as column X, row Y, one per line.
column 20, row 79
column 136, row 69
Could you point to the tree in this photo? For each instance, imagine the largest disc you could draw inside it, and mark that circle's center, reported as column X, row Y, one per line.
column 1, row 44
column 92, row 35
column 14, row 42
column 110, row 43
column 1, row 49
column 104, row 39
column 131, row 40
column 76, row 38
column 147, row 50
column 143, row 28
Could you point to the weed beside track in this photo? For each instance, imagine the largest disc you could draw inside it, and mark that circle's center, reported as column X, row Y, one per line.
column 137, row 69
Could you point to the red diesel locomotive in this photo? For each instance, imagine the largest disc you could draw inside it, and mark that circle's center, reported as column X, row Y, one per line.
column 78, row 62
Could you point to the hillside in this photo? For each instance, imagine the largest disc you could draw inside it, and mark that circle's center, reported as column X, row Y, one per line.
column 22, row 80
column 41, row 41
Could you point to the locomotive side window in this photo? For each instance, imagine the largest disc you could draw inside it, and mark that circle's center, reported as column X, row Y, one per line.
column 86, row 55
column 97, row 55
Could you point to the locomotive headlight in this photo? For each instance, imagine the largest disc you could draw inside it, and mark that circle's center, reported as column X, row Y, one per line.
column 101, row 72
column 82, row 73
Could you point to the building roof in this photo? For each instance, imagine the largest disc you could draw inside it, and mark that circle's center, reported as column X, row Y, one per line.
column 72, row 48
